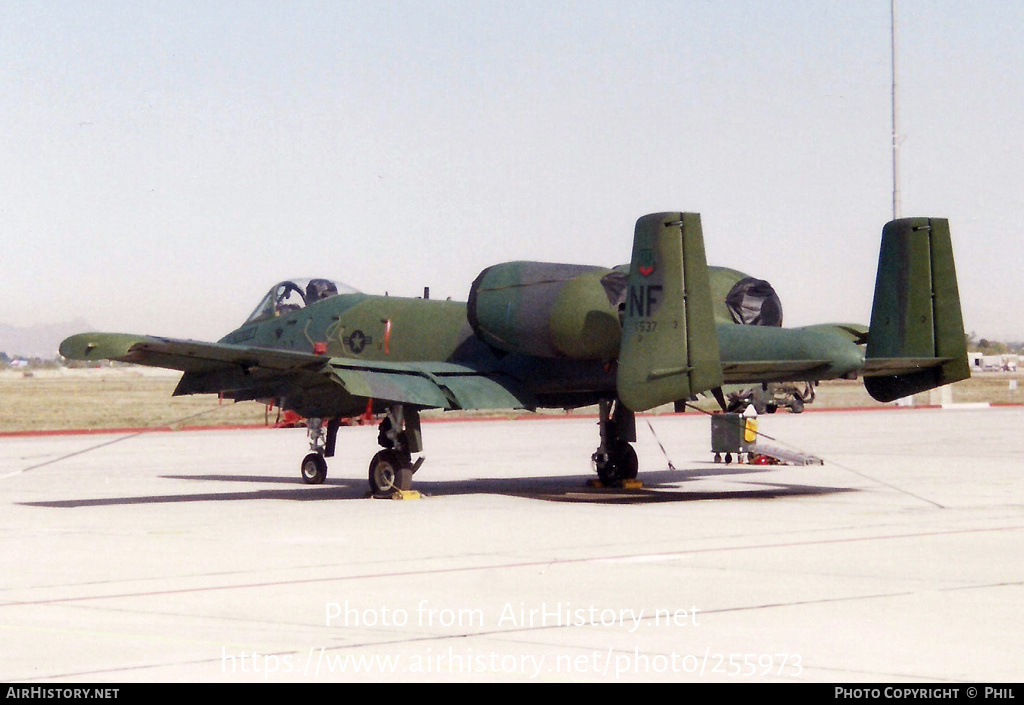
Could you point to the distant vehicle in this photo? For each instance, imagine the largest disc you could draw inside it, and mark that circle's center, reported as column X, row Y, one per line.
column 770, row 397
column 993, row 363
column 536, row 334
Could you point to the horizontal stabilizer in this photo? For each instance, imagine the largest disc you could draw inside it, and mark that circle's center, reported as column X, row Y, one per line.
column 772, row 370
column 887, row 366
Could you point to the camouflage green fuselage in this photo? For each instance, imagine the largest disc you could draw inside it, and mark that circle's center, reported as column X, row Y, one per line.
column 395, row 329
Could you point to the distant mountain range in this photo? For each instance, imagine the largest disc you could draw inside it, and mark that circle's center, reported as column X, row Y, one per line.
column 38, row 341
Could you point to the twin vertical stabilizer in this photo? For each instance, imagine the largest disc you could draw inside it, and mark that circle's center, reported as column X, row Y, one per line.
column 916, row 339
column 669, row 348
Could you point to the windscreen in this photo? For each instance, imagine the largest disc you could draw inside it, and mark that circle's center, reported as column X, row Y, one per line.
column 294, row 294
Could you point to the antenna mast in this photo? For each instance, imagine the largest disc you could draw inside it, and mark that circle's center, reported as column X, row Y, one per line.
column 895, row 125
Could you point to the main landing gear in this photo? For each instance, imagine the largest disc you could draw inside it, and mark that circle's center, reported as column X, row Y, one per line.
column 391, row 469
column 615, row 460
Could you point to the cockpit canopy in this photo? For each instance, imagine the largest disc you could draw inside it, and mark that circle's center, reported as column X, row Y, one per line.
column 293, row 294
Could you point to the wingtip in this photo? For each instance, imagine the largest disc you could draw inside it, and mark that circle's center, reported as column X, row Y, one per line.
column 98, row 346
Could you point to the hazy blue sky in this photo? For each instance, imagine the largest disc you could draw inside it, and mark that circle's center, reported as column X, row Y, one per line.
column 162, row 164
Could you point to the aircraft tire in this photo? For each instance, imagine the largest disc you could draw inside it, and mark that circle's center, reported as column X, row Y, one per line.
column 390, row 471
column 607, row 473
column 622, row 464
column 313, row 469
column 625, row 459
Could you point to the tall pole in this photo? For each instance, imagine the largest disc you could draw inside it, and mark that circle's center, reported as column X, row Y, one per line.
column 895, row 124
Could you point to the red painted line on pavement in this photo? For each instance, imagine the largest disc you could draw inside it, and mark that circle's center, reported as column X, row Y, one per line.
column 471, row 419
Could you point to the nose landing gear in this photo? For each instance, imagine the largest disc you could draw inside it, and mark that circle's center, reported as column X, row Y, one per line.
column 321, row 442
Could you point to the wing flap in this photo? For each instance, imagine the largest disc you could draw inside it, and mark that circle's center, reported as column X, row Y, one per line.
column 391, row 386
column 478, row 392
column 436, row 385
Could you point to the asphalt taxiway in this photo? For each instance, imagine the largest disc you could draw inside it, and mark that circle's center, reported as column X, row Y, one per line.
column 200, row 556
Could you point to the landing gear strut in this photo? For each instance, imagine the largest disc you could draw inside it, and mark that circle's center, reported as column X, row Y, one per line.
column 615, row 460
column 321, row 444
column 391, row 469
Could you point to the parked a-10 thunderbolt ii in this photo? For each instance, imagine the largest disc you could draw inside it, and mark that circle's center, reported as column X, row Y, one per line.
column 539, row 335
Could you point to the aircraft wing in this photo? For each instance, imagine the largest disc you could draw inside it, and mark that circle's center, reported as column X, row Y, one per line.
column 184, row 355
column 242, row 372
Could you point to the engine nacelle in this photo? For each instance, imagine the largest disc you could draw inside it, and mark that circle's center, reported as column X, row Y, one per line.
column 549, row 310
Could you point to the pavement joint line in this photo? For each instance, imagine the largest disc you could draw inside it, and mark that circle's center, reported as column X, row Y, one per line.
column 438, row 557
column 133, row 434
column 467, row 569
column 506, row 632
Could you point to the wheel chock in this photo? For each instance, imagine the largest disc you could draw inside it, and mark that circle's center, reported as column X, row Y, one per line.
column 397, row 494
column 406, row 494
column 622, row 484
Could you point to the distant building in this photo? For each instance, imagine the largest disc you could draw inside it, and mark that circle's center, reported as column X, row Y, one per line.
column 992, row 363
